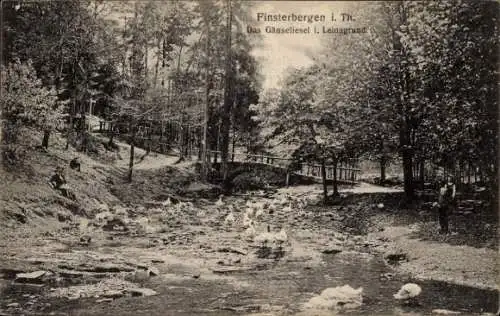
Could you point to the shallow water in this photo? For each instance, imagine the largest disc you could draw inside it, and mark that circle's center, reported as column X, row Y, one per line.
column 283, row 287
column 275, row 287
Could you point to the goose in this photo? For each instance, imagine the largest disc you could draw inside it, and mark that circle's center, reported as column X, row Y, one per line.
column 283, row 200
column 287, row 209
column 408, row 292
column 167, row 202
column 265, row 237
column 258, row 205
column 85, row 240
column 219, row 202
column 259, row 213
column 179, row 207
column 249, row 211
column 250, row 232
column 247, row 221
column 120, row 211
column 281, row 237
column 229, row 220
column 201, row 213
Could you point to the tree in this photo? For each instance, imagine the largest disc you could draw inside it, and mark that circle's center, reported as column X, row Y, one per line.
column 27, row 103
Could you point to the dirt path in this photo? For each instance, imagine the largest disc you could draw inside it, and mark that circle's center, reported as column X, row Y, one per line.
column 440, row 261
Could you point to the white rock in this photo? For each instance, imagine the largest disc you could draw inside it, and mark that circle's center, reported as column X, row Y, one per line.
column 31, row 276
column 407, row 291
column 153, row 271
column 341, row 297
column 444, row 312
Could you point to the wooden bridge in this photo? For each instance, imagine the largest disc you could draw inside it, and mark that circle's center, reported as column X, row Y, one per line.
column 347, row 169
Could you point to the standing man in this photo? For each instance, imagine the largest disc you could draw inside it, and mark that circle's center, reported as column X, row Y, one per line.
column 447, row 193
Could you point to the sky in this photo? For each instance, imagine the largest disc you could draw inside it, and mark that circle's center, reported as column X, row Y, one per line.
column 279, row 52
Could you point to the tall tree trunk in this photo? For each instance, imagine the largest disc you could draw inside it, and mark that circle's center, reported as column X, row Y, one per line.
column 335, row 183
column 46, row 136
column 149, row 139
column 206, row 106
column 323, row 180
column 382, row 168
column 234, row 144
column 146, row 59
column 181, row 139
column 132, row 147
column 111, row 136
column 408, row 174
column 383, row 161
column 226, row 119
column 403, row 89
column 157, row 64
column 422, row 173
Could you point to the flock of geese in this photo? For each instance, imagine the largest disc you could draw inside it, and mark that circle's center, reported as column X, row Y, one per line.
column 252, row 218
column 254, row 213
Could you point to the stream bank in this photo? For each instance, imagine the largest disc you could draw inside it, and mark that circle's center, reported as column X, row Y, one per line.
column 187, row 261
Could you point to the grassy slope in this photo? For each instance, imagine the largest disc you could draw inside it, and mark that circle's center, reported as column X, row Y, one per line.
column 25, row 195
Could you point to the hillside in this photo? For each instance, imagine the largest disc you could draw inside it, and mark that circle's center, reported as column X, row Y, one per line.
column 26, row 196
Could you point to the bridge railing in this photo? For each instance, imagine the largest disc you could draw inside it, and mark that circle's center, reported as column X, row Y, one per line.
column 346, row 171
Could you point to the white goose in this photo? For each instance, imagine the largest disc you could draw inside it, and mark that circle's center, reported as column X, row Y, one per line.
column 219, row 202
column 229, row 220
column 287, row 209
column 281, row 238
column 167, row 202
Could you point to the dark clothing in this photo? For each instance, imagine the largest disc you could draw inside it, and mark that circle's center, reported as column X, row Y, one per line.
column 444, row 211
column 446, row 203
column 74, row 164
column 57, row 180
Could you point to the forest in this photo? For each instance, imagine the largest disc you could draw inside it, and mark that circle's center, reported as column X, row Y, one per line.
column 419, row 87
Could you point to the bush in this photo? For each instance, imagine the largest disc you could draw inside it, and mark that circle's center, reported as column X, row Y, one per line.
column 25, row 103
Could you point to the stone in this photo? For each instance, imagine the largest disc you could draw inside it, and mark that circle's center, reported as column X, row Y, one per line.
column 142, row 292
column 332, row 251
column 13, row 305
column 153, row 271
column 30, row 277
column 104, row 300
column 444, row 312
column 103, row 207
column 113, row 294
column 395, row 258
column 85, row 240
column 63, row 217
column 233, row 250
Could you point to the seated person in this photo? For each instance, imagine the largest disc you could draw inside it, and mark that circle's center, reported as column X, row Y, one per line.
column 58, row 182
column 75, row 164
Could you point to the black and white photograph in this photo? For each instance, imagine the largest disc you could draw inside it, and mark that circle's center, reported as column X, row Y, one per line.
column 249, row 158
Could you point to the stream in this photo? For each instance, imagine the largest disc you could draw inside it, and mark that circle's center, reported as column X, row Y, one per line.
column 188, row 282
